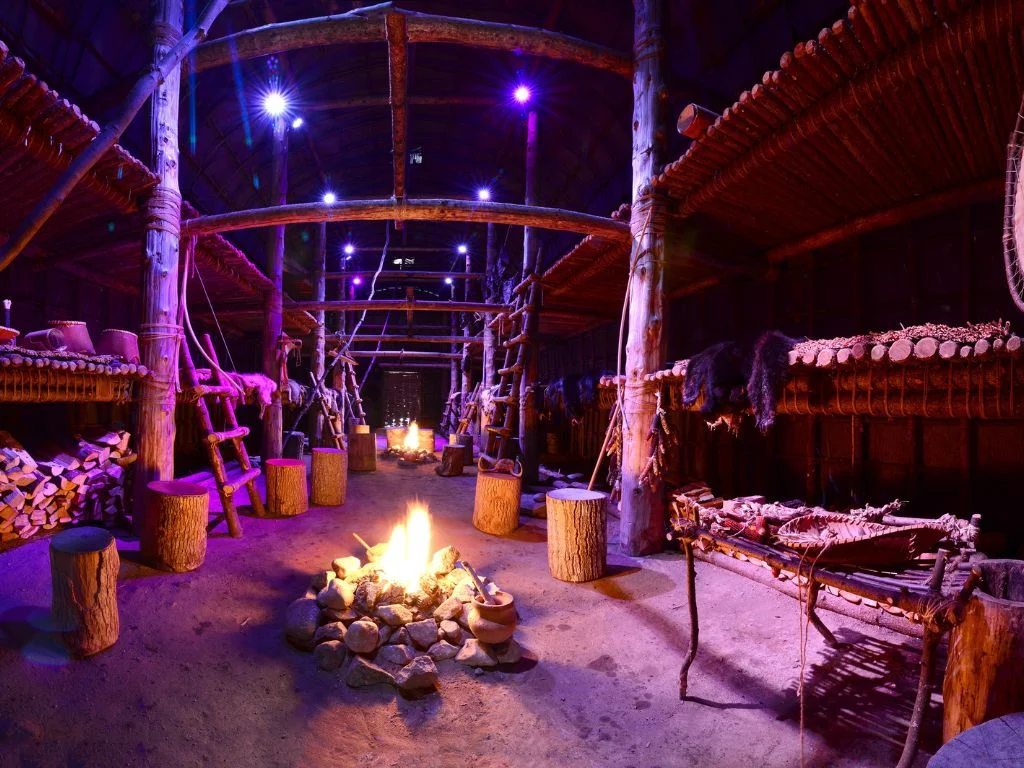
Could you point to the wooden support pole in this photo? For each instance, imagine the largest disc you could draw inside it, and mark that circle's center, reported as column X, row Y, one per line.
column 467, row 320
column 160, row 330
column 398, row 76
column 490, row 297
column 273, row 417
column 411, row 210
column 166, row 67
column 642, row 509
column 363, row 26
column 529, row 419
column 320, row 332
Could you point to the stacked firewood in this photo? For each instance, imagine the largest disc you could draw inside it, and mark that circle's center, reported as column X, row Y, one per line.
column 81, row 480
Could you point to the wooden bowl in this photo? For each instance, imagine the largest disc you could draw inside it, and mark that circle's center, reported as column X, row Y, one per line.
column 7, row 336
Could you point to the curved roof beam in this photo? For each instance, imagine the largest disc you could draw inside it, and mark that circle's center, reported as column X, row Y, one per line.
column 409, row 210
column 366, row 25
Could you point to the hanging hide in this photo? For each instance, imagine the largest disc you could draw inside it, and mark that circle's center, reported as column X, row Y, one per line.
column 768, row 374
column 562, row 398
column 588, row 390
column 718, row 378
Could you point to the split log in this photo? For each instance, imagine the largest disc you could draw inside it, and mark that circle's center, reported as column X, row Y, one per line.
column 452, row 461
column 985, row 671
column 330, row 477
column 466, row 441
column 83, row 567
column 577, row 534
column 173, row 535
column 496, row 504
column 286, row 487
column 362, row 449
column 694, row 121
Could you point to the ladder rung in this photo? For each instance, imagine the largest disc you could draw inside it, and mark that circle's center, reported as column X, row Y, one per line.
column 526, row 283
column 515, row 341
column 246, row 477
column 517, row 368
column 206, row 390
column 497, row 320
column 507, row 399
column 228, row 434
column 519, row 312
column 503, row 431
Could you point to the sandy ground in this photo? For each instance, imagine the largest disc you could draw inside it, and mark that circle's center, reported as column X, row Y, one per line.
column 201, row 674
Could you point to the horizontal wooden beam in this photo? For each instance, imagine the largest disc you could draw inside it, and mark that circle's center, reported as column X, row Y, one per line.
column 406, row 275
column 365, row 25
column 400, row 339
column 362, row 102
column 409, row 210
column 396, row 305
column 404, row 353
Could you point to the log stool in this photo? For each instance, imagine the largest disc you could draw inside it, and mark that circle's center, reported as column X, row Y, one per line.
column 466, row 441
column 985, row 669
column 362, row 449
column 83, row 566
column 173, row 534
column 330, row 477
column 452, row 461
column 286, row 487
column 577, row 534
column 496, row 505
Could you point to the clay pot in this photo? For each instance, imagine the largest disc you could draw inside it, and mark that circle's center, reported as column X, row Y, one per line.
column 493, row 624
column 76, row 336
column 120, row 343
column 48, row 340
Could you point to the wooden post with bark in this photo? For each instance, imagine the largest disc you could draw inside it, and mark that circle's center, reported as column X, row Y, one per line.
column 985, row 671
column 642, row 508
column 174, row 528
column 490, row 287
column 160, row 332
column 529, row 419
column 496, row 503
column 273, row 418
column 83, row 566
column 320, row 332
column 577, row 534
column 329, row 477
column 362, row 449
column 453, row 461
column 286, row 487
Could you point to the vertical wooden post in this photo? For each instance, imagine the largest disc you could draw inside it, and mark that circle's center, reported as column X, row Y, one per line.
column 528, row 417
column 490, row 296
column 273, row 420
column 642, row 508
column 320, row 332
column 160, row 330
column 467, row 322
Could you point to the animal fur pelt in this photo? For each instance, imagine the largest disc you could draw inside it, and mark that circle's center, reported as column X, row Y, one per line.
column 258, row 388
column 562, row 397
column 730, row 376
column 588, row 390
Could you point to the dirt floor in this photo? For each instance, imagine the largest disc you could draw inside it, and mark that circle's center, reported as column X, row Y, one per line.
column 201, row 674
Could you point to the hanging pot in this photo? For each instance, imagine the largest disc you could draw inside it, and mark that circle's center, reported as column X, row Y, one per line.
column 76, row 336
column 120, row 343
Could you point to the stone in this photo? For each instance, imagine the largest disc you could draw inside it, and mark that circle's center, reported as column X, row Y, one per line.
column 449, row 609
column 391, row 594
column 366, row 596
column 465, row 592
column 329, row 655
column 362, row 673
column 532, row 507
column 301, row 622
column 560, row 484
column 443, row 561
column 418, row 674
column 362, row 636
column 399, row 637
column 396, row 654
column 581, row 486
column 429, row 596
column 476, row 654
column 384, row 632
column 395, row 615
column 442, row 650
column 463, row 621
column 540, row 498
column 343, row 566
column 369, row 571
column 451, row 632
column 328, row 632
column 575, row 477
column 508, row 652
column 338, row 595
column 423, row 633
column 321, row 580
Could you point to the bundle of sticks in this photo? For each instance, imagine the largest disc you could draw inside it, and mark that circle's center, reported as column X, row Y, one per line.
column 82, row 479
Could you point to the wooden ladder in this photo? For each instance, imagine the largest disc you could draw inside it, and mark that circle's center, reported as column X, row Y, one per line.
column 226, row 394
column 469, row 410
column 506, row 411
column 332, row 420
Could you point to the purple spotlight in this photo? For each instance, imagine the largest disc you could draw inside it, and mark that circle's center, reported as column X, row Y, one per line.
column 522, row 94
column 349, row 249
column 447, row 281
column 483, row 194
column 357, row 281
column 463, row 249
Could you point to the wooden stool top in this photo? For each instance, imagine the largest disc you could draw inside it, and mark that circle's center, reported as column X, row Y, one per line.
column 997, row 742
column 284, row 463
column 78, row 541
column 329, row 450
column 177, row 488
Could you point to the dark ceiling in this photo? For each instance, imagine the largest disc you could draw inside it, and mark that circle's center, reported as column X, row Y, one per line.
column 93, row 50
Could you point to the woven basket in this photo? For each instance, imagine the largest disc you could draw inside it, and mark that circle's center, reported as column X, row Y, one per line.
column 76, row 335
column 123, row 344
column 834, row 538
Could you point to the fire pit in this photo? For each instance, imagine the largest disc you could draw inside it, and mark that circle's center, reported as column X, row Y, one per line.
column 391, row 619
column 416, row 447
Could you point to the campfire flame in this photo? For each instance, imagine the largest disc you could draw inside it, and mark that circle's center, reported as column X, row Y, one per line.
column 411, row 442
column 408, row 552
